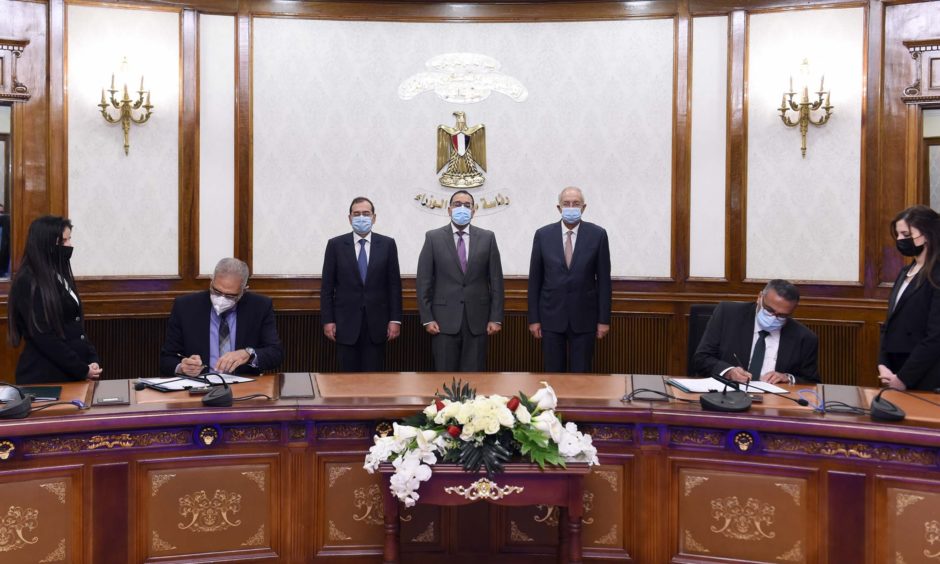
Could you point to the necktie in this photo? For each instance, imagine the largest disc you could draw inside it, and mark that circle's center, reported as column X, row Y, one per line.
column 225, row 336
column 461, row 251
column 363, row 260
column 569, row 249
column 757, row 359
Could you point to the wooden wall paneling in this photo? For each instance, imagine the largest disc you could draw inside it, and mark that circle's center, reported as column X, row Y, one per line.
column 110, row 518
column 871, row 228
column 839, row 359
column 57, row 153
column 189, row 146
column 737, row 147
column 638, row 343
column 127, row 347
column 243, row 136
column 847, row 501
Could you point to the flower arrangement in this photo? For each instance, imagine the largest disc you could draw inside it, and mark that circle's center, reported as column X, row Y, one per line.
column 478, row 431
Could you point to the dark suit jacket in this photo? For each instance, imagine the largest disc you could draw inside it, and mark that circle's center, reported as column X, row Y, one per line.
column 5, row 244
column 343, row 296
column 48, row 357
column 731, row 330
column 444, row 291
column 913, row 330
column 580, row 295
column 187, row 332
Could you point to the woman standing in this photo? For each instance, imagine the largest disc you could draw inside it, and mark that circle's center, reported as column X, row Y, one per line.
column 910, row 337
column 46, row 312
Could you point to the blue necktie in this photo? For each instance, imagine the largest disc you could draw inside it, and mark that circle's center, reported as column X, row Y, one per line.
column 363, row 260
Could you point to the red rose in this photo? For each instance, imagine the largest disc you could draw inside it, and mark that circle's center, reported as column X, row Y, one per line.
column 438, row 404
column 453, row 431
column 513, row 403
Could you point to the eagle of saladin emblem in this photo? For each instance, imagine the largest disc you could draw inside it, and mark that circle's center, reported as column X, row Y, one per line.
column 462, row 150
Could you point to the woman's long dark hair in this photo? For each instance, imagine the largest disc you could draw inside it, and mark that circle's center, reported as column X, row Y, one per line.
column 42, row 264
column 927, row 222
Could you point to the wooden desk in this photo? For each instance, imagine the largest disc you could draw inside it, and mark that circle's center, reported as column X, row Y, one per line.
column 150, row 481
column 517, row 485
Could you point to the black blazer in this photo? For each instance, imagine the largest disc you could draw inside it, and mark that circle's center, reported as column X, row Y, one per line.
column 580, row 295
column 48, row 357
column 731, row 330
column 187, row 332
column 912, row 332
column 343, row 296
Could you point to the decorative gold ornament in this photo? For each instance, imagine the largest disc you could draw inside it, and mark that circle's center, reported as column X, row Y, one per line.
column 209, row 515
column 126, row 107
column 484, row 488
column 12, row 90
column 745, row 522
column 384, row 429
column 463, row 150
column 932, row 536
column 208, row 435
column 517, row 535
column 369, row 500
column 122, row 440
column 6, row 449
column 744, row 441
column 805, row 108
column 425, row 536
column 12, row 526
column 57, row 555
column 58, row 489
column 256, row 539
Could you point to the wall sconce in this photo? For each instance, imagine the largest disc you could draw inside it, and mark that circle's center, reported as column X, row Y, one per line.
column 805, row 108
column 126, row 106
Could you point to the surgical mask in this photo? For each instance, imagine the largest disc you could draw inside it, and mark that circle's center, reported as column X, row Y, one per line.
column 221, row 304
column 64, row 252
column 907, row 247
column 362, row 224
column 768, row 322
column 571, row 215
column 460, row 215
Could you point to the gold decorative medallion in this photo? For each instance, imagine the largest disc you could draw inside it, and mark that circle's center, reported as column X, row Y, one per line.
column 744, row 441
column 6, row 449
column 121, row 440
column 208, row 435
column 13, row 525
column 384, row 429
column 484, row 489
column 370, row 499
column 463, row 150
column 209, row 515
column 745, row 522
column 516, row 534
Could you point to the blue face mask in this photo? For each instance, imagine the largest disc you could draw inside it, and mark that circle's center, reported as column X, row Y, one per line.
column 361, row 224
column 769, row 322
column 571, row 215
column 460, row 215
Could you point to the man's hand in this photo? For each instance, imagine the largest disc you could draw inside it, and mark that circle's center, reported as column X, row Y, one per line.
column 774, row 377
column 536, row 330
column 432, row 328
column 602, row 330
column 492, row 327
column 94, row 371
column 329, row 329
column 191, row 366
column 232, row 360
column 394, row 330
column 738, row 374
column 889, row 379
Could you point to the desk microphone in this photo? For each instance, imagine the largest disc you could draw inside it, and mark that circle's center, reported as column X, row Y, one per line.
column 217, row 397
column 729, row 402
column 17, row 408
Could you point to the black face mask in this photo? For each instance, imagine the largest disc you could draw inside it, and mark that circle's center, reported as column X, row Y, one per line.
column 64, row 252
column 907, row 247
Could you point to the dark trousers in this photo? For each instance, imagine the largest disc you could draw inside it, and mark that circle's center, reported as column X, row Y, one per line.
column 461, row 352
column 364, row 355
column 568, row 351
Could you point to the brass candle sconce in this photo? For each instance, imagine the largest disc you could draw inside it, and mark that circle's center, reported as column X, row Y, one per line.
column 804, row 108
column 126, row 106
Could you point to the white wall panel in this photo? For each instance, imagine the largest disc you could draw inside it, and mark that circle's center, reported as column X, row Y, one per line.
column 216, row 140
column 709, row 126
column 124, row 207
column 328, row 125
column 803, row 213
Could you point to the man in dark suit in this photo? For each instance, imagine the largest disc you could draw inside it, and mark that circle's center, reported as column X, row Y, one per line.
column 569, row 287
column 777, row 348
column 224, row 329
column 360, row 296
column 460, row 289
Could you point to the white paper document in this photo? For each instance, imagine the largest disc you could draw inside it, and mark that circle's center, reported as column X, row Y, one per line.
column 178, row 383
column 704, row 385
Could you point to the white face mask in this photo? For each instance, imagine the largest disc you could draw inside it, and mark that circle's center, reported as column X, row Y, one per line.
column 221, row 304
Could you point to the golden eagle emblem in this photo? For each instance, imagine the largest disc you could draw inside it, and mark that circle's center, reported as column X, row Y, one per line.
column 462, row 150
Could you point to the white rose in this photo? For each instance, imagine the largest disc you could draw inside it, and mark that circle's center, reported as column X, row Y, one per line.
column 404, row 432
column 431, row 410
column 569, row 444
column 545, row 399
column 548, row 424
column 523, row 415
column 492, row 426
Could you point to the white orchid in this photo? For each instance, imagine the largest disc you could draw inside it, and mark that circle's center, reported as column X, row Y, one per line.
column 548, row 424
column 523, row 415
column 545, row 399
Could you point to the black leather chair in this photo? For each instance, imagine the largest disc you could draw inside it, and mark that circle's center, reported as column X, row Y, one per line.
column 699, row 314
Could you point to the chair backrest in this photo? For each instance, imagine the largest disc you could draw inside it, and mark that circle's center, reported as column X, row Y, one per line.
column 699, row 314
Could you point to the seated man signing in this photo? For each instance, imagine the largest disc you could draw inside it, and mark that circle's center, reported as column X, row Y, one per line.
column 759, row 341
column 223, row 329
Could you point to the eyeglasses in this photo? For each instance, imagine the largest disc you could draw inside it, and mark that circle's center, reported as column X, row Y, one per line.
column 215, row 292
column 773, row 312
column 468, row 205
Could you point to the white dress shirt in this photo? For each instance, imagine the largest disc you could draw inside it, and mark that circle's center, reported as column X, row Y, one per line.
column 368, row 238
column 574, row 235
column 466, row 238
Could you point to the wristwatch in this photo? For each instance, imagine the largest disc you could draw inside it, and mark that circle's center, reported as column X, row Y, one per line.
column 251, row 355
